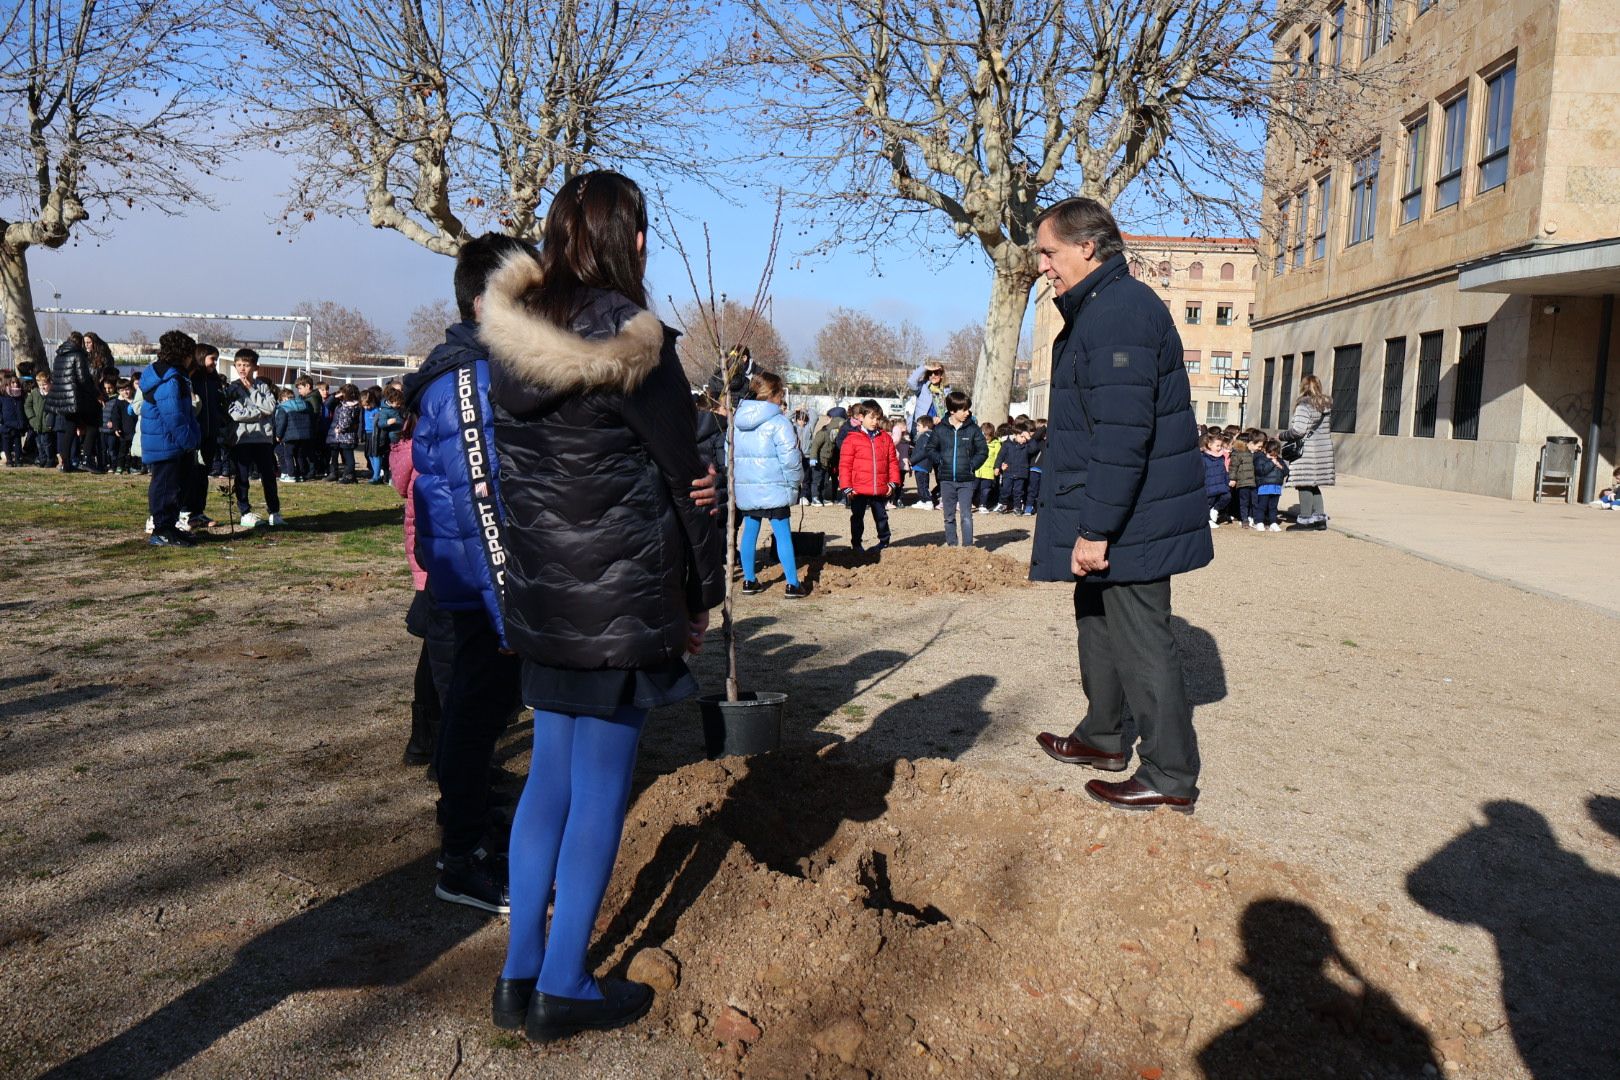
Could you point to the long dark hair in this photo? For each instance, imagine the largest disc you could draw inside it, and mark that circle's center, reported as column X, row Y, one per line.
column 590, row 242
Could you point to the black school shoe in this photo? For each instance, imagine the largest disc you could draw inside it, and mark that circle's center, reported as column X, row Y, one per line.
column 510, row 1003
column 752, row 588
column 553, row 1017
column 478, row 881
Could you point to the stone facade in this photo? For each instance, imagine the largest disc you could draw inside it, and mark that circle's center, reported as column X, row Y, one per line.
column 1201, row 281
column 1367, row 279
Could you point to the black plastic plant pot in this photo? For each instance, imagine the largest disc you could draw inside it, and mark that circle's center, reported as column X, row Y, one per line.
column 742, row 728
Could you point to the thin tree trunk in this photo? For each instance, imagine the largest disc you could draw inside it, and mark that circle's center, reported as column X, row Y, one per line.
column 730, row 458
column 17, row 301
column 992, row 385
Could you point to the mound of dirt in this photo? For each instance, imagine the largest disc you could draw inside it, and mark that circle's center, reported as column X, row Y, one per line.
column 807, row 915
column 914, row 571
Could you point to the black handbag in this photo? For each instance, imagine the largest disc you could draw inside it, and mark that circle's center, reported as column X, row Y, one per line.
column 1293, row 446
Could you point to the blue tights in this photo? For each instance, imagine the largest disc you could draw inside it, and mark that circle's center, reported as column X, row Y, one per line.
column 566, row 831
column 783, row 530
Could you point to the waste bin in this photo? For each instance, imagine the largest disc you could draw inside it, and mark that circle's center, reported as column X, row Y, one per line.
column 1556, row 469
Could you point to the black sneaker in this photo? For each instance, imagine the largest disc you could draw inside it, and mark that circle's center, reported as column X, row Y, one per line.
column 475, row 881
column 752, row 588
column 510, row 1002
column 172, row 538
column 554, row 1017
column 796, row 592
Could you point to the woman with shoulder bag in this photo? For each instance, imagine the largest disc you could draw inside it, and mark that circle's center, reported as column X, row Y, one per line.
column 611, row 570
column 1308, row 448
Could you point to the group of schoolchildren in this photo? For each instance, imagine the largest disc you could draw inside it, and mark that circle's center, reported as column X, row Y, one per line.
column 1244, row 473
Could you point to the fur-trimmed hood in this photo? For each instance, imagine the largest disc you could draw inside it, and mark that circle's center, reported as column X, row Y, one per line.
column 612, row 354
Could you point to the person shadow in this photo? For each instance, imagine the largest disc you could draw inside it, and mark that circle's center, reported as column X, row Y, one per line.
column 1307, row 1019
column 786, row 812
column 381, row 934
column 1553, row 919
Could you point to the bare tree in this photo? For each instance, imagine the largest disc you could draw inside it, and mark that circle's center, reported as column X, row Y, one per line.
column 104, row 107
column 209, row 332
column 908, row 115
column 858, row 354
column 910, row 345
column 424, row 330
column 960, row 354
column 439, row 118
column 343, row 334
column 765, row 343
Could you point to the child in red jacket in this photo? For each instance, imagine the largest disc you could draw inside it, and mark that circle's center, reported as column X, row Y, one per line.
column 868, row 473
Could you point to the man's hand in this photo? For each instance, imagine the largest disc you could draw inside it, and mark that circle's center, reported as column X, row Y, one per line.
column 1089, row 556
column 698, row 626
column 704, row 494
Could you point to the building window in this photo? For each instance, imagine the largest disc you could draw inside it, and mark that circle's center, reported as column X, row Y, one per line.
column 1470, row 384
column 1427, row 407
column 1289, row 392
column 1364, row 198
column 1251, row 313
column 1164, row 270
column 1195, row 272
column 1268, row 390
column 1193, row 358
column 1346, row 387
column 1324, row 207
column 1223, row 315
column 1336, row 36
column 1389, row 411
column 1417, row 141
column 1228, row 272
column 1220, row 363
column 1313, row 52
column 1215, row 412
column 1424, row 5
column 1498, row 129
column 1454, row 130
column 1195, row 312
column 1307, row 364
column 1302, row 224
column 1243, row 362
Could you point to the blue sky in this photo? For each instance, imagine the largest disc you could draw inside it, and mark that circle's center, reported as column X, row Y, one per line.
column 232, row 260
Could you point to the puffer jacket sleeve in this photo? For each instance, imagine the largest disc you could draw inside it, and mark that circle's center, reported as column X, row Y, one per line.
column 661, row 414
column 980, row 448
column 1123, row 383
column 403, row 476
column 785, row 440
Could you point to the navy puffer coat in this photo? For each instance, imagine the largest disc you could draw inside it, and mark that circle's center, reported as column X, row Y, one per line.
column 1121, row 458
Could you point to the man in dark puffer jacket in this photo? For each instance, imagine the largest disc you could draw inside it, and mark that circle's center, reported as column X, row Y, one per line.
column 74, row 399
column 1122, row 508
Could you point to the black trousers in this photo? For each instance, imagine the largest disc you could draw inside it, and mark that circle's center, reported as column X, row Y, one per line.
column 857, row 517
column 168, row 484
column 1129, row 659
column 1015, row 492
column 67, row 447
column 483, row 694
column 246, row 457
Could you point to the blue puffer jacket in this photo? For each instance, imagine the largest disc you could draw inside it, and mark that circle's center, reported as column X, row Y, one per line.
column 1216, row 479
column 459, row 538
column 768, row 468
column 169, row 425
column 296, row 419
column 1121, row 459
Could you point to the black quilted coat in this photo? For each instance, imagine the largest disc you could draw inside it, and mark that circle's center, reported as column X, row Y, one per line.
column 1121, row 457
column 74, row 392
column 596, row 434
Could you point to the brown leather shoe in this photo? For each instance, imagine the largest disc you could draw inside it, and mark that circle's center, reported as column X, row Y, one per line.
column 1072, row 751
column 1132, row 794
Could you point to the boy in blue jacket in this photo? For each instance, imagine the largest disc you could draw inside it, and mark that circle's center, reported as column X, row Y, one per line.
column 170, row 435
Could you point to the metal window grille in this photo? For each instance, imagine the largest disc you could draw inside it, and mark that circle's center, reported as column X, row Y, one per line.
column 1268, row 393
column 1427, row 407
column 1389, row 413
column 1346, row 387
column 1307, row 364
column 1286, row 398
column 1470, row 383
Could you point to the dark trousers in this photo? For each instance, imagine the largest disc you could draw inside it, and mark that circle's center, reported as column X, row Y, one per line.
column 1014, row 492
column 304, row 466
column 109, row 449
column 858, row 505
column 922, row 478
column 194, row 496
column 1129, row 659
column 45, row 447
column 1217, row 500
column 67, row 447
column 1245, row 501
column 1266, row 509
column 284, row 459
column 1034, row 487
column 818, row 482
column 247, row 457
column 957, row 501
column 166, row 489
column 984, row 493
column 12, row 443
column 342, row 463
column 483, row 693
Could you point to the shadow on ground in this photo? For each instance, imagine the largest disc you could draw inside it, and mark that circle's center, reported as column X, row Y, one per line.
column 1552, row 917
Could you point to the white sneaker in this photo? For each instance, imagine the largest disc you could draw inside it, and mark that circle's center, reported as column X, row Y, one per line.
column 285, row 479
column 149, row 526
column 1213, row 524
column 250, row 520
column 184, row 524
column 275, row 519
column 1214, row 515
column 804, row 502
column 1273, row 527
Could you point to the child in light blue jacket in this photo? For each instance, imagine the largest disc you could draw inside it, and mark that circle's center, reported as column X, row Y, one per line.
column 769, row 469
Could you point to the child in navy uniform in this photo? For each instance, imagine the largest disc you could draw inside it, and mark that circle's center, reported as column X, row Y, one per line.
column 921, row 455
column 13, row 421
column 1217, row 481
column 1270, row 473
column 1015, row 454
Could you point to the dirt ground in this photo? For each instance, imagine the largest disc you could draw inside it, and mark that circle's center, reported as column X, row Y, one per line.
column 1405, row 862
